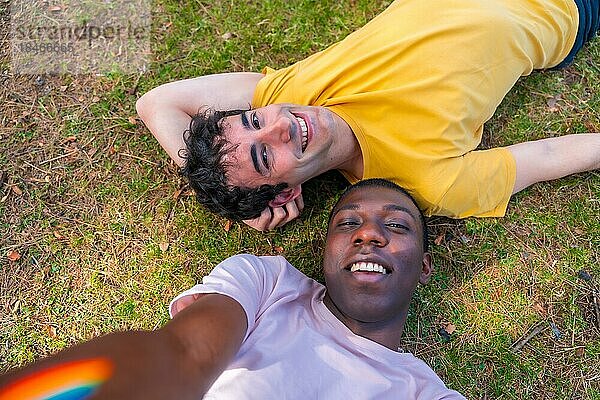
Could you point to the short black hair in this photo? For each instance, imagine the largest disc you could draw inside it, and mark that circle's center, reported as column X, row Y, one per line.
column 390, row 185
column 205, row 169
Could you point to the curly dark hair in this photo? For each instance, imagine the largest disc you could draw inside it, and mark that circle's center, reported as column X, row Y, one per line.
column 206, row 170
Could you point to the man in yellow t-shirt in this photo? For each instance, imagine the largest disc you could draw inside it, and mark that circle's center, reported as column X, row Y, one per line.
column 404, row 98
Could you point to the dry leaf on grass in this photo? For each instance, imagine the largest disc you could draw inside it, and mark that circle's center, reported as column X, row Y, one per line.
column 132, row 120
column 17, row 190
column 51, row 331
column 279, row 249
column 539, row 308
column 438, row 240
column 176, row 194
column 227, row 226
column 450, row 328
column 163, row 246
column 13, row 255
column 552, row 102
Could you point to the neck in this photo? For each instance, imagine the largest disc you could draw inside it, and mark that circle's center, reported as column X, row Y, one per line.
column 354, row 165
column 350, row 156
column 387, row 333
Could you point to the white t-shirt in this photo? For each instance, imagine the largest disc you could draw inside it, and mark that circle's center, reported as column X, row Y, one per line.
column 295, row 348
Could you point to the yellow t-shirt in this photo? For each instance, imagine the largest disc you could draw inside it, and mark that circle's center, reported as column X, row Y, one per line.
column 416, row 85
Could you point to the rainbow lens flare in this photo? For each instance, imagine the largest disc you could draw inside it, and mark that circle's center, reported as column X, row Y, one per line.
column 74, row 380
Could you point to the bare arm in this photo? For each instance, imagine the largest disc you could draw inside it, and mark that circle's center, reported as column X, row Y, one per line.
column 167, row 109
column 553, row 158
column 179, row 361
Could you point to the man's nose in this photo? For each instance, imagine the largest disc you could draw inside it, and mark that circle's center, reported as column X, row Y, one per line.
column 278, row 130
column 370, row 233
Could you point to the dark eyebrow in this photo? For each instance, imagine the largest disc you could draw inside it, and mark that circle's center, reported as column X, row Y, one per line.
column 245, row 122
column 254, row 158
column 394, row 207
column 343, row 208
column 387, row 207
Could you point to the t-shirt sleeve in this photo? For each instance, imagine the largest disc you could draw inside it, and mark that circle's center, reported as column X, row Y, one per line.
column 277, row 86
column 247, row 279
column 484, row 181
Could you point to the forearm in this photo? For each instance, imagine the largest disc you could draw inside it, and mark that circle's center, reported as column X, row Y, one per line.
column 128, row 365
column 210, row 330
column 553, row 158
column 166, row 122
column 181, row 360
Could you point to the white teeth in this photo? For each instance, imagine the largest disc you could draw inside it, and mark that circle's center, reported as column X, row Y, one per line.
column 368, row 267
column 304, row 132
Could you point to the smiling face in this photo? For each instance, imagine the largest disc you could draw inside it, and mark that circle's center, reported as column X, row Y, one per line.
column 285, row 143
column 374, row 256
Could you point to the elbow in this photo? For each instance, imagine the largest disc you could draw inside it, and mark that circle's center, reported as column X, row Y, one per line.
column 143, row 106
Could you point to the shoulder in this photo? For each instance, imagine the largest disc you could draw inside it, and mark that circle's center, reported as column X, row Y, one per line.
column 266, row 269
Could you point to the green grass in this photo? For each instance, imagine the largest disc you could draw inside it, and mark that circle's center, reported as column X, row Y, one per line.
column 105, row 243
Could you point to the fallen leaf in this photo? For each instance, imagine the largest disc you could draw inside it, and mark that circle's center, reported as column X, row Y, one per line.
column 132, row 120
column 450, row 328
column 70, row 139
column 279, row 249
column 95, row 99
column 163, row 246
column 13, row 255
column 580, row 351
column 55, row 8
column 552, row 102
column 227, row 35
column 177, row 193
column 438, row 240
column 227, row 226
column 17, row 190
column 58, row 235
column 92, row 151
column 539, row 308
column 51, row 331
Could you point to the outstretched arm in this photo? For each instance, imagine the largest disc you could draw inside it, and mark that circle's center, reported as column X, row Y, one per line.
column 167, row 109
column 553, row 158
column 179, row 361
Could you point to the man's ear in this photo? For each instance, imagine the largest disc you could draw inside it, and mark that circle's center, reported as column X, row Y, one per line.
column 287, row 195
column 427, row 268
